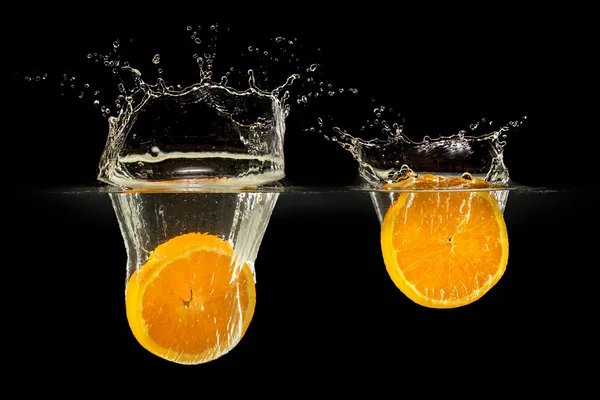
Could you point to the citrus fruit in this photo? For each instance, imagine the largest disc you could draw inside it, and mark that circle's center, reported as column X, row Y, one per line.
column 444, row 248
column 189, row 303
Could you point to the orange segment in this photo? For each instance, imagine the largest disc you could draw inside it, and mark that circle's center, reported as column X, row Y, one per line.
column 444, row 249
column 189, row 303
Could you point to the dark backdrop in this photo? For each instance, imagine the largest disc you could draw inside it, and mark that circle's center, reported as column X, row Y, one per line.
column 324, row 298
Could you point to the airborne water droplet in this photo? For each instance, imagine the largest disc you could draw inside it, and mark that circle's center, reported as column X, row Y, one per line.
column 197, row 40
column 313, row 67
column 156, row 59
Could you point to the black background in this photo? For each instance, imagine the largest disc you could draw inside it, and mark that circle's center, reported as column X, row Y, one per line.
column 325, row 302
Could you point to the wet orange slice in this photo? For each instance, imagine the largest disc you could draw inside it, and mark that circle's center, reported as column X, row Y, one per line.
column 190, row 303
column 444, row 249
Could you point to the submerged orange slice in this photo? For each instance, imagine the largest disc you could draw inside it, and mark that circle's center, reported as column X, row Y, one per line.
column 190, row 303
column 444, row 249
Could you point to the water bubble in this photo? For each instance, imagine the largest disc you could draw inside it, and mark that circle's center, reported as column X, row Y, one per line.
column 250, row 48
column 96, row 93
column 60, row 84
column 160, row 71
column 189, row 28
column 89, row 55
column 156, row 59
column 341, row 90
column 232, row 69
column 312, row 129
column 279, row 39
column 72, row 86
column 320, row 121
column 28, row 79
column 331, row 92
column 354, row 90
column 86, row 85
column 266, row 53
column 313, row 67
column 121, row 87
column 193, row 37
column 194, row 33
column 116, row 44
column 81, row 95
column 194, row 55
column 103, row 108
column 96, row 103
column 197, row 41
column 290, row 42
column 213, row 27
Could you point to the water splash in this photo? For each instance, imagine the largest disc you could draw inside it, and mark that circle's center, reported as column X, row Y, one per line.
column 391, row 155
column 161, row 131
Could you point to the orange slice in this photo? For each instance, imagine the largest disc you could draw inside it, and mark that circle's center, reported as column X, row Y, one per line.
column 189, row 303
column 444, row 249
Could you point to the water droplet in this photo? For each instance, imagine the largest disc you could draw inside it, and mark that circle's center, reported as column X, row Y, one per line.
column 156, row 59
column 466, row 176
column 197, row 41
column 266, row 53
column 96, row 103
column 232, row 69
column 313, row 67
column 250, row 48
column 121, row 87
column 312, row 129
column 72, row 86
column 116, row 44
column 96, row 93
column 279, row 39
column 28, row 79
column 290, row 42
column 89, row 55
column 189, row 28
column 86, row 85
column 213, row 27
column 320, row 121
column 354, row 90
column 160, row 71
column 331, row 92
column 81, row 95
column 103, row 108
